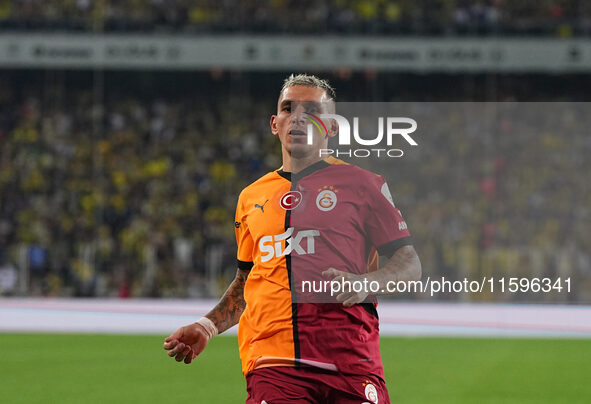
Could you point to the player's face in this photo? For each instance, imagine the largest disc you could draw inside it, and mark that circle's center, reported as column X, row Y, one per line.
column 290, row 124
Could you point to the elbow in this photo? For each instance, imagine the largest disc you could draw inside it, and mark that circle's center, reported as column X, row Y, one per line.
column 417, row 269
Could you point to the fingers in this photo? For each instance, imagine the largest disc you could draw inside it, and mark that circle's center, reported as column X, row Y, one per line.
column 180, row 351
column 332, row 273
column 173, row 344
column 172, row 340
column 189, row 358
column 183, row 354
column 186, row 343
column 349, row 298
column 342, row 297
column 170, row 343
column 178, row 348
column 352, row 301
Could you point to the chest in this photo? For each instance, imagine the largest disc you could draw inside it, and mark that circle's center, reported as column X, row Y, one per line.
column 321, row 204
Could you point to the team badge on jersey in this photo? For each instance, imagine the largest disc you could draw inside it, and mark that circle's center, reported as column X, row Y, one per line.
column 327, row 198
column 290, row 200
column 371, row 393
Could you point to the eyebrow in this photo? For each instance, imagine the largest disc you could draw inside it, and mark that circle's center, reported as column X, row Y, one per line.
column 302, row 102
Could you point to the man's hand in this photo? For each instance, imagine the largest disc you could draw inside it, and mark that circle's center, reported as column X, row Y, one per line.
column 348, row 298
column 187, row 342
column 403, row 266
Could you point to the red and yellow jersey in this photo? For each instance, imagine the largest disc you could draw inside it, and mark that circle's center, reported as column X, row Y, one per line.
column 291, row 228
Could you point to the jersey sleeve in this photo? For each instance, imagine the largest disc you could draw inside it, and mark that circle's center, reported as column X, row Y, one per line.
column 384, row 224
column 243, row 237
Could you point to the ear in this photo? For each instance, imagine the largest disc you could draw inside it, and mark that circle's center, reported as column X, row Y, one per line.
column 273, row 124
column 333, row 128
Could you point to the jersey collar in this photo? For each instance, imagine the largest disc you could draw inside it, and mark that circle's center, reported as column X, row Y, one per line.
column 305, row 172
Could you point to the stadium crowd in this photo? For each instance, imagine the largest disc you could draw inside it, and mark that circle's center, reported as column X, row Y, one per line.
column 135, row 195
column 432, row 17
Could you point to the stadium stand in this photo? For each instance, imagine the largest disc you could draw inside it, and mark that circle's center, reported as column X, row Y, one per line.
column 441, row 17
column 133, row 195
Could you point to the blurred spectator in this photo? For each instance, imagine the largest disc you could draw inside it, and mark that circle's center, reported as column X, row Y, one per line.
column 457, row 17
column 8, row 277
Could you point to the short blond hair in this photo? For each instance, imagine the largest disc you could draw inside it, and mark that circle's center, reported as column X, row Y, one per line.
column 309, row 80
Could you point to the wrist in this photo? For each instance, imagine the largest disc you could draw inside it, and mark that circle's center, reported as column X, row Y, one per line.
column 210, row 328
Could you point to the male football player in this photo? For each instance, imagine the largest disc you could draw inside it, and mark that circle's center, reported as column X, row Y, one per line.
column 312, row 219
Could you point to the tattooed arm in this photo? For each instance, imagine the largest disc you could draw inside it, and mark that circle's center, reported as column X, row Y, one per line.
column 403, row 266
column 230, row 307
column 189, row 341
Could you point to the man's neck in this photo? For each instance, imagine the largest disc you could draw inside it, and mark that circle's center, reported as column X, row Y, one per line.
column 294, row 165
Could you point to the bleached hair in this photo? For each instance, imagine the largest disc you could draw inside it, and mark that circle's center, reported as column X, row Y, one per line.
column 309, row 80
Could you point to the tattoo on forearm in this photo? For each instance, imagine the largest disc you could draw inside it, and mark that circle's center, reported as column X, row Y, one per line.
column 230, row 307
column 403, row 266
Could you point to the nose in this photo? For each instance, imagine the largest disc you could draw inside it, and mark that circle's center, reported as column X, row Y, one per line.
column 298, row 114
